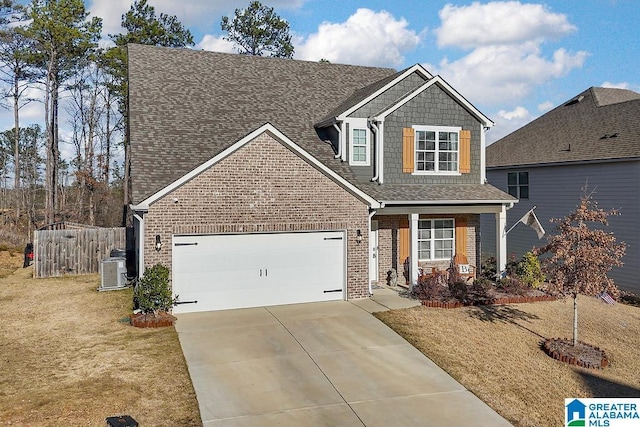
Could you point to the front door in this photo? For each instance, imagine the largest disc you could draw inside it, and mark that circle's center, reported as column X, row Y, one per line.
column 373, row 251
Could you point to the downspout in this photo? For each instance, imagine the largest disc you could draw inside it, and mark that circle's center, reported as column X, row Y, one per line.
column 381, row 153
column 140, row 243
column 337, row 128
column 377, row 153
column 371, row 214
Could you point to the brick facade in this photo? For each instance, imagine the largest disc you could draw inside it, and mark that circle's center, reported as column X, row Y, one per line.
column 389, row 252
column 262, row 187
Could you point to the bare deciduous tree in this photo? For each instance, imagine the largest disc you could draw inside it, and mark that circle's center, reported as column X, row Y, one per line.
column 583, row 253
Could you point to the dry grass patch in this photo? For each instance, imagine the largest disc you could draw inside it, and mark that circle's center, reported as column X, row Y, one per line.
column 10, row 260
column 69, row 357
column 494, row 351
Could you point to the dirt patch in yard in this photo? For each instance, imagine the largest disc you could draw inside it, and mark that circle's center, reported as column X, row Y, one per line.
column 70, row 357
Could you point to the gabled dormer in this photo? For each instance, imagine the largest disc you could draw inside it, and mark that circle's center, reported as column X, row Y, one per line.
column 411, row 127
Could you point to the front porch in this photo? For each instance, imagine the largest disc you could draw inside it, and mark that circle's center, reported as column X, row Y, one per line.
column 406, row 242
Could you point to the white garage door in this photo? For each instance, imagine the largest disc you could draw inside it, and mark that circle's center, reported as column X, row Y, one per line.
column 252, row 270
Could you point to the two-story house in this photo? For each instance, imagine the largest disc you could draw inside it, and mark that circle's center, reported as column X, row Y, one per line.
column 591, row 142
column 264, row 181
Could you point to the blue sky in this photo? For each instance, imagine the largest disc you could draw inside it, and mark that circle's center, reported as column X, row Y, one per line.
column 513, row 60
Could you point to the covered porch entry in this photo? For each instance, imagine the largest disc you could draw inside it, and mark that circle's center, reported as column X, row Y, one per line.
column 407, row 241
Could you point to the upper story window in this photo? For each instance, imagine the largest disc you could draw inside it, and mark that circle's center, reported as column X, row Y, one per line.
column 359, row 145
column 437, row 149
column 518, row 184
column 436, row 239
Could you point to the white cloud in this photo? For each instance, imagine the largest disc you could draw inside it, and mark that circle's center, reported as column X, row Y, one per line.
column 506, row 61
column 366, row 38
column 215, row 44
column 499, row 23
column 621, row 85
column 545, row 106
column 493, row 74
column 507, row 122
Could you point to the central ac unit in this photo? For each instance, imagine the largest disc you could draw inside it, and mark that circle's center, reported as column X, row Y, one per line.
column 113, row 273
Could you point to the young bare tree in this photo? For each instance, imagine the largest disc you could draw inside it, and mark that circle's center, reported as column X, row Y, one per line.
column 583, row 253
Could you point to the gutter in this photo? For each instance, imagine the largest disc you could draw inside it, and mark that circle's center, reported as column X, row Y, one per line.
column 445, row 202
column 371, row 214
column 378, row 137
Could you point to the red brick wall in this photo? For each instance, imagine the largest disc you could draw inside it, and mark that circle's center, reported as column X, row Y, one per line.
column 262, row 187
column 389, row 254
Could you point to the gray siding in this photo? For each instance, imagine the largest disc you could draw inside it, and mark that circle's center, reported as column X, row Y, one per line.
column 556, row 191
column 433, row 107
column 390, row 96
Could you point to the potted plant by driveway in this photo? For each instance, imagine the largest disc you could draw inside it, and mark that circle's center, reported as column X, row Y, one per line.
column 153, row 297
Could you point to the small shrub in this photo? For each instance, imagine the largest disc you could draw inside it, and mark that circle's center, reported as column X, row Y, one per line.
column 430, row 288
column 513, row 285
column 152, row 292
column 481, row 286
column 530, row 271
column 459, row 290
column 488, row 269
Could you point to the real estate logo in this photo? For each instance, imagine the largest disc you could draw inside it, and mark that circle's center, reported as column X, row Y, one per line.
column 613, row 412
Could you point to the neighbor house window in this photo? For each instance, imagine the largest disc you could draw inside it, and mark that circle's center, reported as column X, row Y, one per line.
column 359, row 142
column 518, row 184
column 437, row 149
column 436, row 239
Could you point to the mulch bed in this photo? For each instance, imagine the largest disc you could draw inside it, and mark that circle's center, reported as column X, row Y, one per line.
column 513, row 299
column 150, row 320
column 582, row 354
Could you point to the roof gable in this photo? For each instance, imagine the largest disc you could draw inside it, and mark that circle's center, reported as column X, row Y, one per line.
column 597, row 124
column 280, row 137
column 440, row 82
column 186, row 106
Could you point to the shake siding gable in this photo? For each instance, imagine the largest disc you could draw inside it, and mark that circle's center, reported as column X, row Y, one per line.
column 432, row 107
column 263, row 187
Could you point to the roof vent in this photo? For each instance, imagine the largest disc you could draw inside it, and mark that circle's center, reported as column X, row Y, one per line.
column 574, row 100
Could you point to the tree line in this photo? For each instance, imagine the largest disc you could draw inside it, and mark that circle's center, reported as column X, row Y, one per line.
column 50, row 52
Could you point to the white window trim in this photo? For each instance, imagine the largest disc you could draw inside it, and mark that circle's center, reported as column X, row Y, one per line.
column 436, row 129
column 432, row 249
column 359, row 123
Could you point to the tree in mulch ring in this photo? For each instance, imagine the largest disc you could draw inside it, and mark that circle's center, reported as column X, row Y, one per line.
column 152, row 294
column 580, row 354
column 580, row 259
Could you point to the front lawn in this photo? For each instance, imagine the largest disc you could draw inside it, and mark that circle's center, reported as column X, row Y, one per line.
column 494, row 351
column 69, row 356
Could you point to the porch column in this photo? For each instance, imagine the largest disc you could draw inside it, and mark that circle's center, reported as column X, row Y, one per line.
column 413, row 249
column 501, row 239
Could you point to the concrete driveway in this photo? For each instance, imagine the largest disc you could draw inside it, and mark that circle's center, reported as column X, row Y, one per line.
column 318, row 364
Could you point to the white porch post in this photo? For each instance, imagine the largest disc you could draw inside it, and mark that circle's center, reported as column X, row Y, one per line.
column 501, row 239
column 413, row 248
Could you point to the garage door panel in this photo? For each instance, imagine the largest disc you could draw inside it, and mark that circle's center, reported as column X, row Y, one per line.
column 249, row 270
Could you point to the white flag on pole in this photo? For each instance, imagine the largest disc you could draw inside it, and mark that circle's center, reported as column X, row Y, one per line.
column 531, row 220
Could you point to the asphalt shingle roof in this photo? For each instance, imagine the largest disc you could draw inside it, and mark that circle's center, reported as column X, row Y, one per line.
column 186, row 106
column 600, row 123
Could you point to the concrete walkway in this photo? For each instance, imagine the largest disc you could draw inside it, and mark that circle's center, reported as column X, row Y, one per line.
column 319, row 364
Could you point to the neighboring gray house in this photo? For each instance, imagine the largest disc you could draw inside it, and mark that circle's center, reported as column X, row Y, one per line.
column 592, row 140
column 262, row 181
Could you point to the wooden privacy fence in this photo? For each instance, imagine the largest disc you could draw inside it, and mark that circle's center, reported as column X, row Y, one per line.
column 74, row 251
